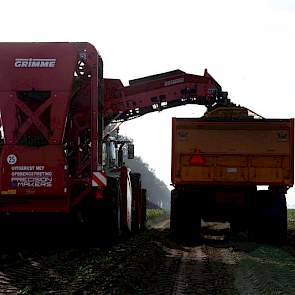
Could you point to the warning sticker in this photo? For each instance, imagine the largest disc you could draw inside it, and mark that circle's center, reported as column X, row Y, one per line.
column 30, row 176
column 11, row 159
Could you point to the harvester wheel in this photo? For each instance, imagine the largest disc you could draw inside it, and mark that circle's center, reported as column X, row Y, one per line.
column 112, row 212
column 136, row 202
column 101, row 218
column 143, row 210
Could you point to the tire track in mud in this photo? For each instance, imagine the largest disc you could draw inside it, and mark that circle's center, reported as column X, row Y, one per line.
column 228, row 269
column 265, row 271
column 151, row 263
column 38, row 274
column 198, row 270
column 188, row 279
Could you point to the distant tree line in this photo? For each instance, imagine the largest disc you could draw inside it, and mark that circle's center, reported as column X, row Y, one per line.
column 158, row 194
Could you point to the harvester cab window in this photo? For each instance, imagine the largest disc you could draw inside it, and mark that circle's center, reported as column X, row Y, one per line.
column 104, row 154
column 112, row 154
column 109, row 154
column 1, row 136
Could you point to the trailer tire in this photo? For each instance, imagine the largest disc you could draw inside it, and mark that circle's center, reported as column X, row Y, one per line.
column 173, row 213
column 185, row 217
column 238, row 221
column 269, row 222
column 279, row 230
column 192, row 214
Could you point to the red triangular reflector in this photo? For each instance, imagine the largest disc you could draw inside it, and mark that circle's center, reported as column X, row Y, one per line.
column 197, row 160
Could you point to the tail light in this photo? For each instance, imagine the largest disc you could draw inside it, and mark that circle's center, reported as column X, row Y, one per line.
column 197, row 159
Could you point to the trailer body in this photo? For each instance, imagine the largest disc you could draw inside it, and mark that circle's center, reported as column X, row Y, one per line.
column 220, row 162
column 257, row 152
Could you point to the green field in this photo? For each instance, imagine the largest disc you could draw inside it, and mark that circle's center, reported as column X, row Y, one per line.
column 291, row 214
column 154, row 216
column 154, row 213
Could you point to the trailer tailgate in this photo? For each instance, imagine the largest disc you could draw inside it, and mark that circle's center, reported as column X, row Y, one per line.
column 259, row 152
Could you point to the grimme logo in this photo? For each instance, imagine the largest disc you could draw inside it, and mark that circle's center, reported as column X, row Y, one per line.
column 35, row 62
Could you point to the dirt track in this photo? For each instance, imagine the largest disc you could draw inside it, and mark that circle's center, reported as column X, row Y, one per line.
column 151, row 263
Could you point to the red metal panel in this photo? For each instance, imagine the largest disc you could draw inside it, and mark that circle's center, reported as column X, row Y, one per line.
column 159, row 92
column 292, row 150
column 35, row 171
column 51, row 91
column 58, row 78
column 31, row 205
column 173, row 160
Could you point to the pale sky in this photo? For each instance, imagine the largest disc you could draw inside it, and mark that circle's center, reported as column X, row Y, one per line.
column 248, row 47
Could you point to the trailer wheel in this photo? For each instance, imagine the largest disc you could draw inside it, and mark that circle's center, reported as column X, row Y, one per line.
column 238, row 221
column 279, row 229
column 185, row 218
column 269, row 222
column 173, row 213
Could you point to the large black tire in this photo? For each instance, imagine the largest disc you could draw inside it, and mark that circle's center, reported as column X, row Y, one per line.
column 136, row 202
column 237, row 222
column 173, row 213
column 269, row 221
column 100, row 220
column 280, row 227
column 185, row 217
column 143, row 210
column 112, row 214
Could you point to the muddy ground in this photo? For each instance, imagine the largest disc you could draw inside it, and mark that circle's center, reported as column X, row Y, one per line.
column 151, row 263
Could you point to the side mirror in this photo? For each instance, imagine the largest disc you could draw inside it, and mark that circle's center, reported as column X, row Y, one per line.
column 130, row 151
